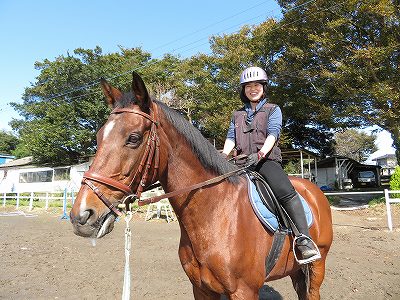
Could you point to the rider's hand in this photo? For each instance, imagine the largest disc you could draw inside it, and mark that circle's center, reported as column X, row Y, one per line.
column 254, row 158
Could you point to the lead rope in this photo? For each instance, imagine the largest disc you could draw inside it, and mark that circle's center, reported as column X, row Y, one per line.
column 126, row 290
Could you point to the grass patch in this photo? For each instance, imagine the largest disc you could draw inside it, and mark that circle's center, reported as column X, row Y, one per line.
column 333, row 200
column 36, row 203
column 376, row 201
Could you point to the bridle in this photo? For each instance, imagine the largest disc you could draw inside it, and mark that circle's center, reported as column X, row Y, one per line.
column 150, row 154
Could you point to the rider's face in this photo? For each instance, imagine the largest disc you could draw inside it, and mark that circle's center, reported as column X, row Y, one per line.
column 253, row 91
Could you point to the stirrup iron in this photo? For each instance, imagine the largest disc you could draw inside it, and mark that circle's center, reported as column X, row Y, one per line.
column 306, row 260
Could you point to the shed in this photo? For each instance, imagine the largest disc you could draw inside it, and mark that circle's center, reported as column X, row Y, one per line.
column 336, row 171
column 21, row 175
column 307, row 160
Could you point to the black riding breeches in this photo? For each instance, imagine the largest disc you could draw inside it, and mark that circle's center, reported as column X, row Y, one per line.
column 278, row 180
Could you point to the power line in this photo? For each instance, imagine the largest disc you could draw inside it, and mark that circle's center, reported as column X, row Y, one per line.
column 95, row 82
column 178, row 39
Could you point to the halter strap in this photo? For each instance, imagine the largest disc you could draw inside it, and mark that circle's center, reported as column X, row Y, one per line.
column 108, row 181
column 151, row 153
column 138, row 112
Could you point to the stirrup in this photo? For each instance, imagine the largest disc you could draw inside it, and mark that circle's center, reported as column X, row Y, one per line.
column 306, row 260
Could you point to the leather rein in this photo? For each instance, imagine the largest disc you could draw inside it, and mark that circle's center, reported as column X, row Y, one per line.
column 151, row 152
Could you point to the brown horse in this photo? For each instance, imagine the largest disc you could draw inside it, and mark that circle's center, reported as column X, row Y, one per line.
column 223, row 245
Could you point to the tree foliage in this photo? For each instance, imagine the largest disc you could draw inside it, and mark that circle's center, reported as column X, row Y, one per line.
column 346, row 57
column 332, row 65
column 65, row 108
column 354, row 144
column 8, row 142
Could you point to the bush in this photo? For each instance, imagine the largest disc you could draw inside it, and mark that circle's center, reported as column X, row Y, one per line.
column 395, row 182
column 395, row 179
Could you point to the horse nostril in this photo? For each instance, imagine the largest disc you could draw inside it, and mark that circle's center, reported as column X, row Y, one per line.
column 84, row 217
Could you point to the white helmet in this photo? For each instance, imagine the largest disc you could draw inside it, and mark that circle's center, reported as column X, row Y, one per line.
column 253, row 74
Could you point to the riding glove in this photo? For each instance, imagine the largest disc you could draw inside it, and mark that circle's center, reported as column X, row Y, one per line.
column 254, row 158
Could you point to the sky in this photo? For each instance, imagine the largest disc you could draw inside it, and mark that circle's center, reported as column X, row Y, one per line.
column 32, row 31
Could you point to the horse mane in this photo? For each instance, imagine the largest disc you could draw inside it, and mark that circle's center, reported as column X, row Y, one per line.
column 208, row 155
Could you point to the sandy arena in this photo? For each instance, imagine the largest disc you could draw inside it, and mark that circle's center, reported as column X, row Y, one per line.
column 43, row 259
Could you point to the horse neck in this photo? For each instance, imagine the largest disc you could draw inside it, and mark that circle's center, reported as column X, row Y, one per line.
column 183, row 168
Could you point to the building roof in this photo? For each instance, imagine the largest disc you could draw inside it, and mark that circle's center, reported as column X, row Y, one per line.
column 7, row 155
column 298, row 153
column 18, row 162
column 393, row 156
column 331, row 162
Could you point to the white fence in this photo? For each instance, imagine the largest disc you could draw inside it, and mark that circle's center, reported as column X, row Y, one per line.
column 48, row 197
column 390, row 200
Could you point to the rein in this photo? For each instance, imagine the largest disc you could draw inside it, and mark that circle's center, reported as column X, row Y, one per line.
column 151, row 152
column 190, row 188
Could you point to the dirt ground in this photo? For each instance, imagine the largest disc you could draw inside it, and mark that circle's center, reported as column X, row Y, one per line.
column 41, row 258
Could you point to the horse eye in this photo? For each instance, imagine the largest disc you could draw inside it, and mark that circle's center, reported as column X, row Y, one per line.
column 134, row 140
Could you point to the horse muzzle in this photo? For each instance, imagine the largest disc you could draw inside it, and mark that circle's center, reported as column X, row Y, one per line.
column 85, row 224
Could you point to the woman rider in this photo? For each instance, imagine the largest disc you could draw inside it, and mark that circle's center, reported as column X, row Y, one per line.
column 254, row 131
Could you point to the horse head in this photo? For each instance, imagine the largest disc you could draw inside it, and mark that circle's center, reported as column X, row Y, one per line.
column 125, row 162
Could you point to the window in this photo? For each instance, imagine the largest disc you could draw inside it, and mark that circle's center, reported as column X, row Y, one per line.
column 366, row 174
column 62, row 174
column 40, row 176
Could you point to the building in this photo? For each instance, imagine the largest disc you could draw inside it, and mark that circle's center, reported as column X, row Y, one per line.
column 388, row 162
column 21, row 175
column 340, row 172
column 5, row 158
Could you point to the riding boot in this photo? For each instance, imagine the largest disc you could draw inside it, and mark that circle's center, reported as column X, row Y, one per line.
column 308, row 250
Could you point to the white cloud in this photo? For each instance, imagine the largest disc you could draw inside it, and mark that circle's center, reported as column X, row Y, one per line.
column 384, row 143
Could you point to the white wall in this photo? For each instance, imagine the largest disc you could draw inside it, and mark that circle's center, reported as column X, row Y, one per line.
column 326, row 176
column 11, row 182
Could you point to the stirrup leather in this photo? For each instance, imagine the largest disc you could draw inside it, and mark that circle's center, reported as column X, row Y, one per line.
column 306, row 260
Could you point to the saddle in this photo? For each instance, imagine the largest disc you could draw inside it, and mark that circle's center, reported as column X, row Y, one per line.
column 272, row 215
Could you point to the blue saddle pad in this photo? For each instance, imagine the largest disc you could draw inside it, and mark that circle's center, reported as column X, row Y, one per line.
column 267, row 218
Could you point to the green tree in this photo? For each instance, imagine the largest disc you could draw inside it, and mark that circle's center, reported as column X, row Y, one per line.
column 354, row 144
column 343, row 56
column 214, row 80
column 8, row 142
column 64, row 109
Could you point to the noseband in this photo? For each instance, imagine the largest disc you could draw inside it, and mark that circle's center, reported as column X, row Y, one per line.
column 151, row 152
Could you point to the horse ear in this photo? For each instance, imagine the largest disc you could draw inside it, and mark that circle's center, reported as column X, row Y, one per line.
column 140, row 92
column 113, row 95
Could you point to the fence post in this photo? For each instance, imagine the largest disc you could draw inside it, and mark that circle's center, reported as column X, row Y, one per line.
column 47, row 201
column 65, row 215
column 72, row 197
column 388, row 211
column 31, row 202
column 17, row 205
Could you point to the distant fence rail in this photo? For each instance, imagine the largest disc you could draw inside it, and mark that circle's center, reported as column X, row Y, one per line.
column 36, row 197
